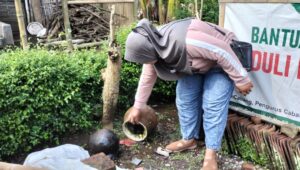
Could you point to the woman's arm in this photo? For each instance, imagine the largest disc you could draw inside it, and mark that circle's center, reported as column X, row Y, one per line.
column 146, row 83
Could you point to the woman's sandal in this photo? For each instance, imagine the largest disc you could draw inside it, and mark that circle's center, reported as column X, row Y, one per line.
column 181, row 145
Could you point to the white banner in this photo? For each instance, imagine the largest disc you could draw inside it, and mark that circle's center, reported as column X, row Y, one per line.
column 274, row 31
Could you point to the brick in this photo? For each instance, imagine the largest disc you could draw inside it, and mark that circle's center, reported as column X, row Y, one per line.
column 100, row 161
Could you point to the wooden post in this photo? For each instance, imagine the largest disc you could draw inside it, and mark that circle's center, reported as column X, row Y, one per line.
column 201, row 10
column 68, row 30
column 111, row 77
column 221, row 14
column 21, row 23
column 37, row 12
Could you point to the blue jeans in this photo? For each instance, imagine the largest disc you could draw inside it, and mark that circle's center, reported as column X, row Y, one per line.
column 204, row 95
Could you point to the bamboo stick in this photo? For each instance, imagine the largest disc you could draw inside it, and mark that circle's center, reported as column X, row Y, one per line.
column 171, row 8
column 196, row 10
column 21, row 24
column 144, row 8
column 161, row 12
column 68, row 30
column 221, row 14
column 201, row 10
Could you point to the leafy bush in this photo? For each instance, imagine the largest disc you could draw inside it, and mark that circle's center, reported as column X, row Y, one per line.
column 210, row 11
column 183, row 11
column 45, row 94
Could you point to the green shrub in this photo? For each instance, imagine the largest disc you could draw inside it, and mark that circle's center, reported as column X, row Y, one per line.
column 183, row 11
column 210, row 10
column 45, row 94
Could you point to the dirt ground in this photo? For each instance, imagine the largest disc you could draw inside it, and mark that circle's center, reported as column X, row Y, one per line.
column 167, row 131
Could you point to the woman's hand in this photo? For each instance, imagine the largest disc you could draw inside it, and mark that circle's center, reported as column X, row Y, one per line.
column 134, row 115
column 245, row 89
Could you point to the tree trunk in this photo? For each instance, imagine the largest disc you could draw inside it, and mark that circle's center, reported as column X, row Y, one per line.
column 68, row 30
column 21, row 23
column 37, row 12
column 111, row 78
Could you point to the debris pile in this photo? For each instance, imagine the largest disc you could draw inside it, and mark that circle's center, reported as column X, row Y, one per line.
column 88, row 22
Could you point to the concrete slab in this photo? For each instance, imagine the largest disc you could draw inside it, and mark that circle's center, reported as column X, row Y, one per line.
column 6, row 34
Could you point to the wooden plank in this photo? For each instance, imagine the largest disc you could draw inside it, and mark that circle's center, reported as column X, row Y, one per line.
column 98, row 1
column 125, row 9
column 128, row 11
column 222, row 14
column 259, row 1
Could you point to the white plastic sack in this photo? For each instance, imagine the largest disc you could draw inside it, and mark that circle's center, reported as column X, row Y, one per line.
column 64, row 157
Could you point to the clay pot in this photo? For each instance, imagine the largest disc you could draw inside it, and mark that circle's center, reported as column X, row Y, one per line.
column 105, row 141
column 145, row 126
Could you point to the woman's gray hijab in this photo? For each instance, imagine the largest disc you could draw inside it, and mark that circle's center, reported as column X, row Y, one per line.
column 166, row 45
column 139, row 49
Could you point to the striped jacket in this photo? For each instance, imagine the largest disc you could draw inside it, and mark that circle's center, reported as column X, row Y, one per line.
column 206, row 48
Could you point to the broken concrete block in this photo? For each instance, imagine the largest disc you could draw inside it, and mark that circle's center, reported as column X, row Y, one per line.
column 100, row 161
column 6, row 34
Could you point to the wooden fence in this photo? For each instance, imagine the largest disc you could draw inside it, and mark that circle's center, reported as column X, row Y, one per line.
column 125, row 8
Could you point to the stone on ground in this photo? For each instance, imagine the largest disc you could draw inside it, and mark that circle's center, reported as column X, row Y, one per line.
column 100, row 161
